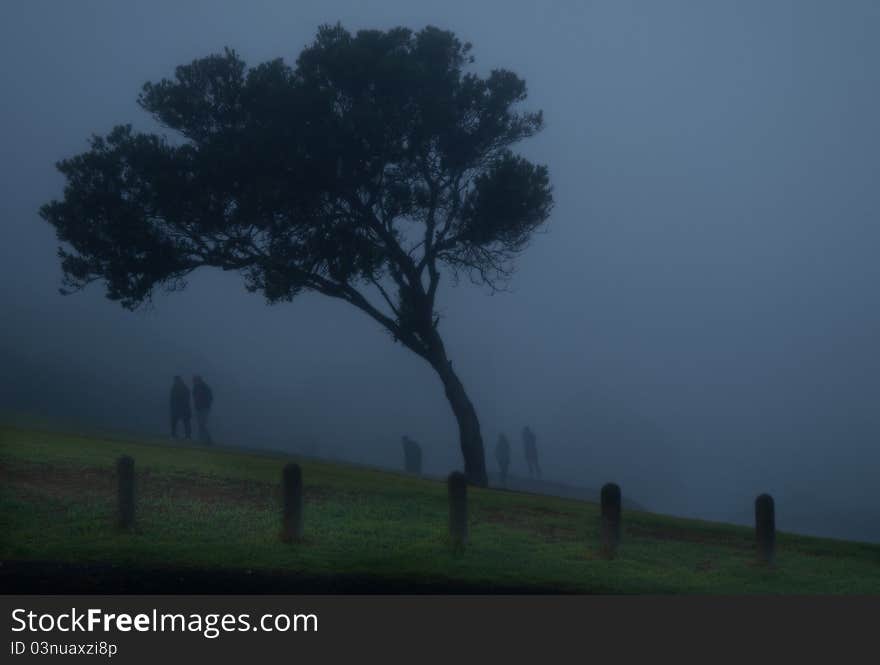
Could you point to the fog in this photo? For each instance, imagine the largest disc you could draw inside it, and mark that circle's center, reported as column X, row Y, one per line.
column 698, row 323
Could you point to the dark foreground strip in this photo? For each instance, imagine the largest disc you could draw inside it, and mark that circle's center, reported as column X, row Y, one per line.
column 53, row 577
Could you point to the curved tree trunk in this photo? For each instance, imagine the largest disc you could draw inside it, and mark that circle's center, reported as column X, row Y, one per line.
column 470, row 438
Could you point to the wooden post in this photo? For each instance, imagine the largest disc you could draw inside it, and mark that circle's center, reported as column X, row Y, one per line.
column 610, row 504
column 125, row 495
column 765, row 528
column 458, row 519
column 292, row 498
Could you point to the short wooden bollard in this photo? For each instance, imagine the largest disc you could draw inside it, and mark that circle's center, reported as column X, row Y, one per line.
column 765, row 528
column 292, row 503
column 458, row 519
column 610, row 505
column 125, row 489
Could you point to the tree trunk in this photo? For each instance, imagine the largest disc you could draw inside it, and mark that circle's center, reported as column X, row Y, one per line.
column 468, row 424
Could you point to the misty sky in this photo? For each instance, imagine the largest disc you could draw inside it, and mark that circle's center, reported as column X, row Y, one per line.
column 699, row 322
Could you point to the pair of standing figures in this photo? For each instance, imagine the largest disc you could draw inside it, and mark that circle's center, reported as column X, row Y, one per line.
column 530, row 446
column 202, row 399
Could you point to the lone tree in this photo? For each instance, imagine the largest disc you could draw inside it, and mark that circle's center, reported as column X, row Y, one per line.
column 362, row 173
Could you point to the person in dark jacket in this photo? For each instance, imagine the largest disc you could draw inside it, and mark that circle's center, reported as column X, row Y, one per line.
column 502, row 456
column 531, row 449
column 203, row 398
column 412, row 455
column 180, row 407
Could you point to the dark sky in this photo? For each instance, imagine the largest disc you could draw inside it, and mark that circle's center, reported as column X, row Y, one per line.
column 699, row 322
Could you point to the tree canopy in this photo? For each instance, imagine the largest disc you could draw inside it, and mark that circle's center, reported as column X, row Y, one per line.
column 364, row 172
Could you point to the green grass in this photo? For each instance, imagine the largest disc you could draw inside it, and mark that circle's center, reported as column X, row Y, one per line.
column 220, row 509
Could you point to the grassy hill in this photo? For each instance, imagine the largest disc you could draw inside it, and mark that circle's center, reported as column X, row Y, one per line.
column 208, row 520
column 551, row 488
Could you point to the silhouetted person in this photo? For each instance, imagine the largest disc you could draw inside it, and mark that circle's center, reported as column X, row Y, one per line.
column 502, row 455
column 180, row 407
column 202, row 400
column 531, row 449
column 412, row 455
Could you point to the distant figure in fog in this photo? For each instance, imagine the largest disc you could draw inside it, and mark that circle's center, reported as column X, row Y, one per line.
column 202, row 400
column 531, row 449
column 502, row 455
column 180, row 408
column 412, row 455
